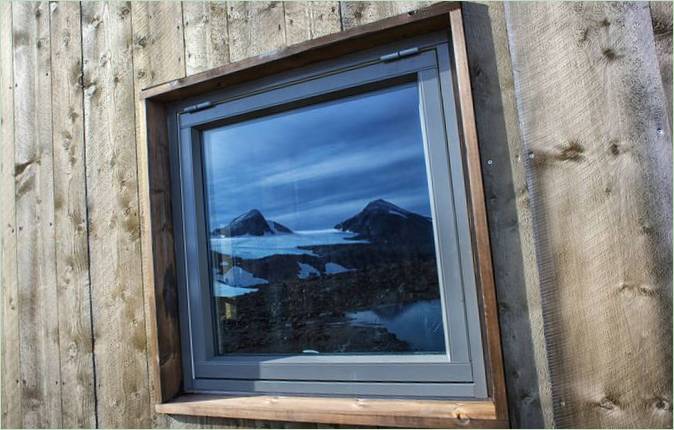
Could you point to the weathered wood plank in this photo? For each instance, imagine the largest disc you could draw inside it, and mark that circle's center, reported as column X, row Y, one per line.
column 38, row 304
column 306, row 20
column 380, row 412
column 254, row 28
column 355, row 13
column 70, row 218
column 158, row 56
column 11, row 372
column 593, row 116
column 510, row 226
column 661, row 16
column 206, row 37
column 158, row 51
column 114, row 227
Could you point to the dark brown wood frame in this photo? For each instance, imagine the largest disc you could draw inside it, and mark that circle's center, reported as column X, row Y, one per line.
column 159, row 256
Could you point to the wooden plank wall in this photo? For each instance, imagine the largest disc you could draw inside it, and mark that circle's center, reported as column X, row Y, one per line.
column 9, row 337
column 74, row 336
column 40, row 371
column 595, row 124
column 122, row 396
column 70, row 217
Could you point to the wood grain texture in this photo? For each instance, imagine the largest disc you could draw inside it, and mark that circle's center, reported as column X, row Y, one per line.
column 120, row 345
column 254, row 28
column 70, row 219
column 158, row 51
column 158, row 56
column 36, row 269
column 386, row 413
column 510, row 226
column 306, row 20
column 661, row 17
column 11, row 354
column 593, row 117
column 206, row 36
column 355, row 13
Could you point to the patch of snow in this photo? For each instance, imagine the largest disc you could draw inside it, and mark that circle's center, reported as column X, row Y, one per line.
column 333, row 268
column 307, row 271
column 253, row 247
column 274, row 230
column 236, row 282
column 224, row 290
column 238, row 277
column 398, row 213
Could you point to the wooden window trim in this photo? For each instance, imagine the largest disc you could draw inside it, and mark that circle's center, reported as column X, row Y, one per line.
column 345, row 411
column 159, row 256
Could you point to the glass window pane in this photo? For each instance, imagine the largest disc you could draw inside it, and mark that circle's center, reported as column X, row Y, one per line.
column 320, row 230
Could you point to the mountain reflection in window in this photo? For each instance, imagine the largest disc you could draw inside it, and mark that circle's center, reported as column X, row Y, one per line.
column 321, row 235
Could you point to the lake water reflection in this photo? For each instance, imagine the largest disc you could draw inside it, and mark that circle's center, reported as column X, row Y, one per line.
column 419, row 323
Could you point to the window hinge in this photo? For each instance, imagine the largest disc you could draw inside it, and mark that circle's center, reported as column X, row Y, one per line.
column 197, row 107
column 400, row 54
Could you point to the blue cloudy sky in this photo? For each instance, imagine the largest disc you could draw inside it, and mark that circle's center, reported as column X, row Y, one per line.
column 313, row 167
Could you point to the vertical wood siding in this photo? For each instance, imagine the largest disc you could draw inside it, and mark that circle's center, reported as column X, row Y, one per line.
column 11, row 353
column 40, row 372
column 120, row 349
column 206, row 35
column 355, row 13
column 593, row 117
column 254, row 28
column 75, row 340
column 308, row 20
column 70, row 218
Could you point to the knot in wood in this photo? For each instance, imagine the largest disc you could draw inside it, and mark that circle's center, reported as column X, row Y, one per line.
column 95, row 21
column 608, row 404
column 463, row 419
column 662, row 404
column 572, row 151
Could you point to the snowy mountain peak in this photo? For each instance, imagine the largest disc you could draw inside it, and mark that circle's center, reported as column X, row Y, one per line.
column 251, row 214
column 251, row 223
column 383, row 205
column 383, row 222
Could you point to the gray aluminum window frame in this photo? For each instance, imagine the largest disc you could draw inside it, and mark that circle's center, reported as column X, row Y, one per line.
column 458, row 374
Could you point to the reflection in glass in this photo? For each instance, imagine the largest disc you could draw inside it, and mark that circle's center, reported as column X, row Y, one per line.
column 321, row 236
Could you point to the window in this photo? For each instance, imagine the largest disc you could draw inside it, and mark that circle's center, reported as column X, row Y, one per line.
column 315, row 224
column 325, row 234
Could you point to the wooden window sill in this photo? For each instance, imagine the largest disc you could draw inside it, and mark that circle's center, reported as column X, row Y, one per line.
column 345, row 411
